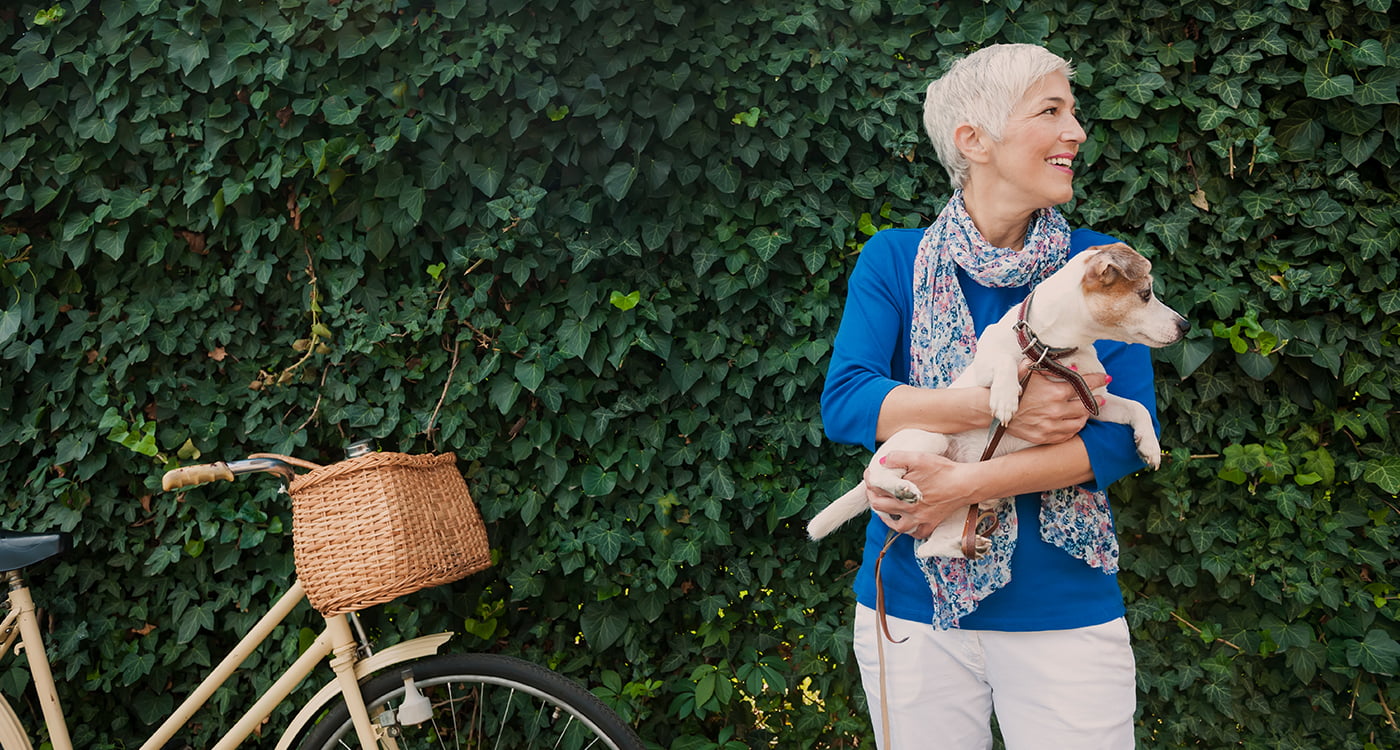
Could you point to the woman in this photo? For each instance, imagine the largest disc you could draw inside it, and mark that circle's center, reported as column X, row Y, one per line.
column 1034, row 631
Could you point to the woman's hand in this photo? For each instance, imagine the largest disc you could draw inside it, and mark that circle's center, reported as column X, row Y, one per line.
column 943, row 483
column 1050, row 411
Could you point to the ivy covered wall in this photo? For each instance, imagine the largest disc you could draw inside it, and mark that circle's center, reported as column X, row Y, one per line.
column 597, row 249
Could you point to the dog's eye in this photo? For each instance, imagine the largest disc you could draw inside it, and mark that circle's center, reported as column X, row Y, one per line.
column 1145, row 295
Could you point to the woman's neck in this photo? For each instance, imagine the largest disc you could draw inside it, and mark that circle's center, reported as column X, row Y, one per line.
column 1001, row 226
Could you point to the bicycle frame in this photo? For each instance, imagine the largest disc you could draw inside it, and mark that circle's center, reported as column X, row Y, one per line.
column 336, row 641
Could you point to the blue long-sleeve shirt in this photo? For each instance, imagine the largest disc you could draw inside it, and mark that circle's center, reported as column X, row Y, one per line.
column 1049, row 589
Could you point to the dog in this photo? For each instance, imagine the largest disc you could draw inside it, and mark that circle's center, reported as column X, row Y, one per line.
column 1104, row 292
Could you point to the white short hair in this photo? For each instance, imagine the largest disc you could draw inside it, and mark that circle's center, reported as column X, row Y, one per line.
column 980, row 90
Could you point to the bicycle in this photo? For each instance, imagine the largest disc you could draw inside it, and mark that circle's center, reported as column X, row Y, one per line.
column 407, row 695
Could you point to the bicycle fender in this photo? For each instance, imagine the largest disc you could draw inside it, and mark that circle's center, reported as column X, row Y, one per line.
column 396, row 654
column 12, row 734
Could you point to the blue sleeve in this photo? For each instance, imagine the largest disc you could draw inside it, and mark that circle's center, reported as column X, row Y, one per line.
column 871, row 342
column 1112, row 450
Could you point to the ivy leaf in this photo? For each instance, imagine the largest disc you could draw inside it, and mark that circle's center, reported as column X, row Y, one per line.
column 982, row 23
column 188, row 51
column 1388, row 300
column 1377, row 654
column 1320, row 85
column 1299, row 136
column 675, row 115
column 1378, row 87
column 487, row 176
column 36, row 68
column 1257, row 205
column 625, row 302
column 1142, row 87
column 1028, row 27
column 767, row 242
column 719, row 479
column 1188, row 355
column 1212, row 114
column 724, row 176
column 1324, row 211
column 529, row 374
column 1306, row 660
column 9, row 324
column 619, row 180
column 112, row 242
column 574, row 337
column 603, row 625
column 1115, row 105
column 1358, row 149
column 597, row 482
column 127, row 200
column 1366, row 54
column 337, row 111
column 1384, row 473
column 1171, row 228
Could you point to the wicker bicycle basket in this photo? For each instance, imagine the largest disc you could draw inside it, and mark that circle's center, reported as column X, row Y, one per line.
column 368, row 530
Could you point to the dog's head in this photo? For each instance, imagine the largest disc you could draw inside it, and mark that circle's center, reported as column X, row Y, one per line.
column 1117, row 285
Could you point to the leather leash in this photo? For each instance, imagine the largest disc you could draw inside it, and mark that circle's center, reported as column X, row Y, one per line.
column 1042, row 358
column 981, row 522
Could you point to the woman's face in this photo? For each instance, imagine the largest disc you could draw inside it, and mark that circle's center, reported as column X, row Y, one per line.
column 1032, row 167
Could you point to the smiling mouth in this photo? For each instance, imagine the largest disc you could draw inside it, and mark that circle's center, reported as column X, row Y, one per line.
column 1063, row 162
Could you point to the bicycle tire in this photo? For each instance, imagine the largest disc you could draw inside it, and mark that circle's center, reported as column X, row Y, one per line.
column 484, row 701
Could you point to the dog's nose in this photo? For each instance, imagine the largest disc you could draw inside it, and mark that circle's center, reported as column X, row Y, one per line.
column 1183, row 325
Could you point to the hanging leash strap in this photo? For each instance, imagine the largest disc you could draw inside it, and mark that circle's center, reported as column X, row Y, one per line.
column 882, row 636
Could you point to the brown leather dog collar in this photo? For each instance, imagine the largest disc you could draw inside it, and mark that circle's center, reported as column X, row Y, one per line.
column 1047, row 358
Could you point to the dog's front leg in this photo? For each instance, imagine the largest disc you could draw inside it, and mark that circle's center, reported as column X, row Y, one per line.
column 1129, row 412
column 1005, row 385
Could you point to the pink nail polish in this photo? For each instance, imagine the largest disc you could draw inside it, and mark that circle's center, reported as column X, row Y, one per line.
column 882, row 460
column 1074, row 367
column 1107, row 379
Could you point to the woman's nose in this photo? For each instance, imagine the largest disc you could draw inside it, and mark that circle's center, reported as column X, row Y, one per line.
column 1074, row 132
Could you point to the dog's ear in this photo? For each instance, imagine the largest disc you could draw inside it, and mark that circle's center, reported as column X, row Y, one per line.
column 1110, row 263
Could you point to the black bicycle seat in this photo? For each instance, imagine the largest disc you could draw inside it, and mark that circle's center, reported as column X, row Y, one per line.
column 20, row 550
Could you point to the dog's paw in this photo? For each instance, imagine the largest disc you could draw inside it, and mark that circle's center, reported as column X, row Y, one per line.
column 903, row 490
column 1004, row 398
column 1149, row 450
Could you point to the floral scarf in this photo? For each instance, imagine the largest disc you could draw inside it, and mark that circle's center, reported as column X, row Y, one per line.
column 942, row 344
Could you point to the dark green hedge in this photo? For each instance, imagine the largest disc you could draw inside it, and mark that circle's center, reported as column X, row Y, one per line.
column 598, row 250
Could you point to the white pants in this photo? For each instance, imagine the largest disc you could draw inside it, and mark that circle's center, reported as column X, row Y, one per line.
column 1051, row 690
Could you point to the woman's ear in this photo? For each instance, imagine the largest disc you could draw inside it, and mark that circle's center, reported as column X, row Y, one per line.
column 971, row 142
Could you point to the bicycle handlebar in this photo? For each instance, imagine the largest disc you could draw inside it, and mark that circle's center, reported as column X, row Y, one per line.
column 188, row 476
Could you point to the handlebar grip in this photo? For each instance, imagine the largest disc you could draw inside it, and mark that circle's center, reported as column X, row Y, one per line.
column 186, row 476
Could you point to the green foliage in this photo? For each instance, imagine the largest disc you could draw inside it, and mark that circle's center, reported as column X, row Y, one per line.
column 598, row 249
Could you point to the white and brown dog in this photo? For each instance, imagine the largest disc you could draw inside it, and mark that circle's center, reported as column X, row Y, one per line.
column 1105, row 292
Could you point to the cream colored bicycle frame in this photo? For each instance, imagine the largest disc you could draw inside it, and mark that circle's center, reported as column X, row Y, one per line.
column 335, row 641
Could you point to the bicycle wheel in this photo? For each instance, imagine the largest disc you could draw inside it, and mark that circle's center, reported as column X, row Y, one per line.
column 484, row 701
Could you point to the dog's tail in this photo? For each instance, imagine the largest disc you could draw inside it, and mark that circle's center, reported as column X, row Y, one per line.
column 843, row 509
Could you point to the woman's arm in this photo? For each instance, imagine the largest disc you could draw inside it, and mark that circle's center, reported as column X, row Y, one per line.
column 1051, row 414
column 949, row 487
column 1050, row 410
